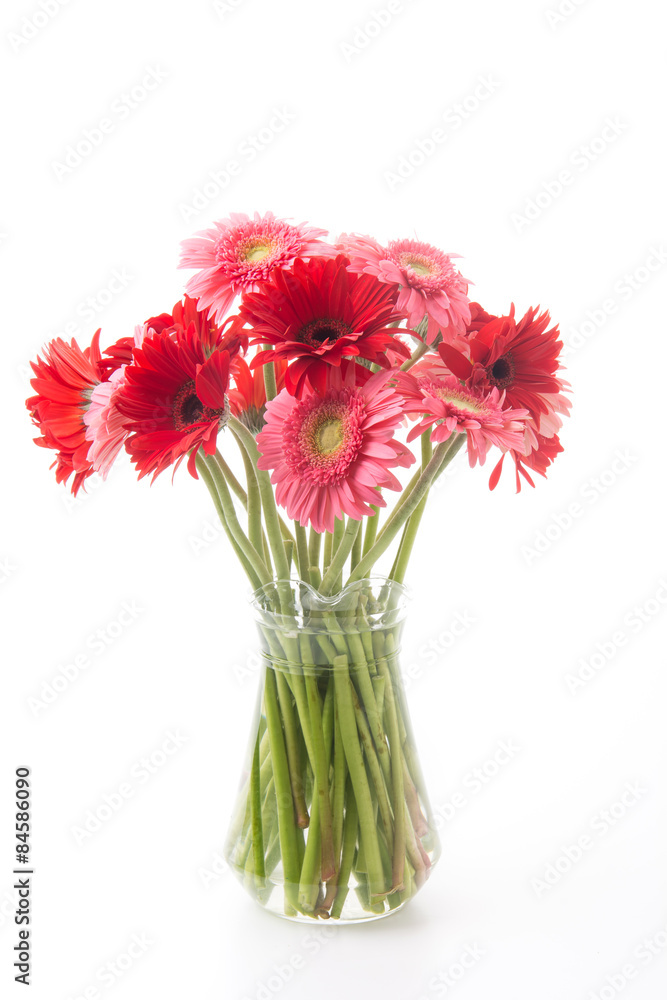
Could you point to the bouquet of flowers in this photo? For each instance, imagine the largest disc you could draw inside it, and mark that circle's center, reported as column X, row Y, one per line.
column 321, row 361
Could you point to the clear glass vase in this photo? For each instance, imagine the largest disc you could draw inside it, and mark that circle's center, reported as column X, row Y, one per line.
column 332, row 819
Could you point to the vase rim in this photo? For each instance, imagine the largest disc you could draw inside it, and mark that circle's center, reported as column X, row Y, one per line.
column 386, row 602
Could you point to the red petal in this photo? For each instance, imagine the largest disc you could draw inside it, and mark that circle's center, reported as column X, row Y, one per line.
column 212, row 380
column 457, row 363
column 495, row 475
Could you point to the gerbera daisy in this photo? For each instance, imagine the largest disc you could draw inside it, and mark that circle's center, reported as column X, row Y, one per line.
column 538, row 458
column 447, row 407
column 430, row 285
column 520, row 357
column 105, row 425
column 318, row 314
column 247, row 397
column 331, row 453
column 173, row 400
column 239, row 253
column 64, row 382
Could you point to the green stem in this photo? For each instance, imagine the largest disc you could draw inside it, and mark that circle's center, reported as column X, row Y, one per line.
column 302, row 551
column 246, row 562
column 371, row 529
column 270, row 377
column 441, row 457
column 328, row 549
column 254, row 503
column 355, row 763
column 374, row 768
column 287, row 829
column 419, row 352
column 314, row 546
column 411, row 528
column 257, row 833
column 292, row 747
column 233, row 482
column 340, row 556
column 404, row 496
column 319, row 761
column 232, row 520
column 349, row 845
column 268, row 501
column 355, row 554
column 398, row 857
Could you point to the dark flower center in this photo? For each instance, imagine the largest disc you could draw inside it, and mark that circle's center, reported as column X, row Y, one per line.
column 501, row 372
column 189, row 409
column 318, row 331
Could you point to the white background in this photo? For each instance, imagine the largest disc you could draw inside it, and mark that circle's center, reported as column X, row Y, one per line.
column 185, row 663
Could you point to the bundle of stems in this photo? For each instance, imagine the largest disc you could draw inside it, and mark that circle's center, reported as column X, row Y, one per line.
column 333, row 795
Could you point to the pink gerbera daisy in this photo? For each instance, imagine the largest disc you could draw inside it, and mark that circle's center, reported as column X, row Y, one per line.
column 331, row 453
column 540, row 453
column 448, row 407
column 239, row 253
column 105, row 426
column 430, row 285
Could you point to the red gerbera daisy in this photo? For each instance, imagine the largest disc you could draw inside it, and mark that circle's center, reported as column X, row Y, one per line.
column 174, row 399
column 317, row 315
column 522, row 359
column 64, row 382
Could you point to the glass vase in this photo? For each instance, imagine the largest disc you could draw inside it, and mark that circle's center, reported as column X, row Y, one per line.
column 332, row 820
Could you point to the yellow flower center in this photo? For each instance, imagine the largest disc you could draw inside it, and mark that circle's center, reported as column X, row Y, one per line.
column 420, row 269
column 329, row 436
column 258, row 252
